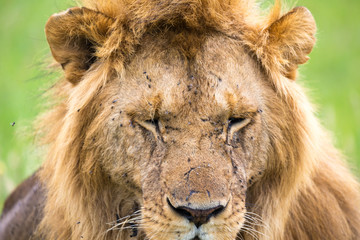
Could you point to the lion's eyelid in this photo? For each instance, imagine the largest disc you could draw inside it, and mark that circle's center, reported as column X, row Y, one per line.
column 235, row 124
column 151, row 125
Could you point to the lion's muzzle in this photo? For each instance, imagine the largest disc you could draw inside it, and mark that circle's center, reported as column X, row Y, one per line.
column 197, row 190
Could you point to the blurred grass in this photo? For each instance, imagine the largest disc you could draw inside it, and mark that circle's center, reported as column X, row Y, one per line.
column 332, row 75
column 23, row 78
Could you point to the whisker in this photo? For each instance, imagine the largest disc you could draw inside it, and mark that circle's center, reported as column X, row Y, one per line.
column 250, row 228
column 120, row 219
column 255, row 223
column 248, row 231
column 257, row 218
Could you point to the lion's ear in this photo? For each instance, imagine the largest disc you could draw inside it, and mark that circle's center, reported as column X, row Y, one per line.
column 289, row 40
column 73, row 37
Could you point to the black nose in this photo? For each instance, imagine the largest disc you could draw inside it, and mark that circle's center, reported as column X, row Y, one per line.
column 197, row 216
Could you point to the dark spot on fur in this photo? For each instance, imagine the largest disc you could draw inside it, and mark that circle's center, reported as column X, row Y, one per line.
column 117, row 218
column 260, row 110
column 112, row 107
column 131, row 124
column 190, row 193
column 134, row 230
column 189, row 87
column 78, row 110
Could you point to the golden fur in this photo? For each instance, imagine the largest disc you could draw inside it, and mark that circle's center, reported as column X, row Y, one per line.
column 193, row 68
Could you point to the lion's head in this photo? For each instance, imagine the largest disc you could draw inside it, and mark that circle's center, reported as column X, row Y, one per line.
column 179, row 120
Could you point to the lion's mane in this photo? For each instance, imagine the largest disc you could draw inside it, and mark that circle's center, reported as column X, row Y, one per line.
column 306, row 191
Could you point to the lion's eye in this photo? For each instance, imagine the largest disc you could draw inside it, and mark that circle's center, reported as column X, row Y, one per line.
column 236, row 124
column 151, row 125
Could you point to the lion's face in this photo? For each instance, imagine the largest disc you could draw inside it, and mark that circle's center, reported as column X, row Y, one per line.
column 169, row 116
column 187, row 136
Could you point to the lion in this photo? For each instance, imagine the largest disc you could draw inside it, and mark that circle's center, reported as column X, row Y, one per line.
column 183, row 120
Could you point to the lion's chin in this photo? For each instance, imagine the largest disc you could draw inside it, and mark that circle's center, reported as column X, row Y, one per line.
column 196, row 234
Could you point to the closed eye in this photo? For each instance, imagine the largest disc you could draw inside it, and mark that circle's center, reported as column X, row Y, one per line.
column 154, row 122
column 234, row 121
column 235, row 124
column 151, row 124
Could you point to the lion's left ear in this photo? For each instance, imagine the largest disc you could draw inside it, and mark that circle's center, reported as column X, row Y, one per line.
column 287, row 42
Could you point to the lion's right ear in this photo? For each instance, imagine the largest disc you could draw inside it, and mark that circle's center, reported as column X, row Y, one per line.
column 73, row 37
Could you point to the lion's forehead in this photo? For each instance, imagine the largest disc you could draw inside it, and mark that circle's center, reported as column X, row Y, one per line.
column 210, row 83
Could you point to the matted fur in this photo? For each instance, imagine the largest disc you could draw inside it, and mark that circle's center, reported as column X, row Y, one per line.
column 126, row 62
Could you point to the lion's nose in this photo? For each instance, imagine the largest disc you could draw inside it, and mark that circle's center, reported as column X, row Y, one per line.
column 197, row 216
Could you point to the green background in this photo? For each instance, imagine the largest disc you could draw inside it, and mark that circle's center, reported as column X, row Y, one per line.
column 332, row 75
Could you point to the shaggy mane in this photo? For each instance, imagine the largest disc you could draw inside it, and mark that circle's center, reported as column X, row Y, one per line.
column 239, row 19
column 138, row 17
column 194, row 13
column 72, row 172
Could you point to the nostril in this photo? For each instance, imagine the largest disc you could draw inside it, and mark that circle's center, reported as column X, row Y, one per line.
column 217, row 210
column 197, row 216
column 180, row 211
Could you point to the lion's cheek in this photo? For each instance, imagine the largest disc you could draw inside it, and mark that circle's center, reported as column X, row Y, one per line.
column 251, row 155
column 125, row 162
